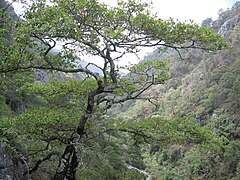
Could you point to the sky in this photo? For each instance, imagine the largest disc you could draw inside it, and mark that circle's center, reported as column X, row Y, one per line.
column 197, row 10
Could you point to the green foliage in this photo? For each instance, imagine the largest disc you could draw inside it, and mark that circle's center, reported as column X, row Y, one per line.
column 104, row 157
column 199, row 162
column 209, row 94
column 79, row 22
column 13, row 54
column 161, row 164
column 56, row 88
column 171, row 175
column 4, row 109
column 236, row 87
column 232, row 154
column 41, row 122
column 147, row 73
column 151, row 161
column 156, row 69
column 163, row 130
column 53, row 110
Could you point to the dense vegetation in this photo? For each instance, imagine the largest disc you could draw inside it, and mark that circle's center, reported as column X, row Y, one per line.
column 203, row 88
column 174, row 115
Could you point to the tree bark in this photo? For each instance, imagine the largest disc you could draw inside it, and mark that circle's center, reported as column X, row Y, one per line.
column 73, row 165
column 71, row 157
column 64, row 163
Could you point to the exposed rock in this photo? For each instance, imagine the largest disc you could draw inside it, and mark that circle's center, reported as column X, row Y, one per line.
column 232, row 20
column 8, row 8
column 148, row 176
column 12, row 167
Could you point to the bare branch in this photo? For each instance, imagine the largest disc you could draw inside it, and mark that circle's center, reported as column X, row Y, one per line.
column 50, row 47
column 42, row 160
column 49, row 140
column 65, row 70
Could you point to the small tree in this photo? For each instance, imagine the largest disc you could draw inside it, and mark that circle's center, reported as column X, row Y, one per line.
column 88, row 27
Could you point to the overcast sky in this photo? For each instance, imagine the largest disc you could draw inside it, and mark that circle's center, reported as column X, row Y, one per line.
column 196, row 10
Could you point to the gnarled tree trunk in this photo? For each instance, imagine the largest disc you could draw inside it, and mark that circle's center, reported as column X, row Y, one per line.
column 71, row 157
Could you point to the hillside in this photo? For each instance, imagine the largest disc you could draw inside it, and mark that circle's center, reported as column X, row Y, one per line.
column 194, row 71
column 174, row 116
column 203, row 87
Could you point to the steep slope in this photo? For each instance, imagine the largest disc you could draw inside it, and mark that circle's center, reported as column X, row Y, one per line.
column 196, row 72
column 203, row 87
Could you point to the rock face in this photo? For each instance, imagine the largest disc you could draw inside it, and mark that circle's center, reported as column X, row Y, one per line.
column 232, row 19
column 9, row 9
column 12, row 168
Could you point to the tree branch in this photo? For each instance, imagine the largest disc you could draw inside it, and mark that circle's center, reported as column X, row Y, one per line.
column 40, row 161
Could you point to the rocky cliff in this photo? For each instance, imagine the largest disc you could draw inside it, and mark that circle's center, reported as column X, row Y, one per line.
column 13, row 164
